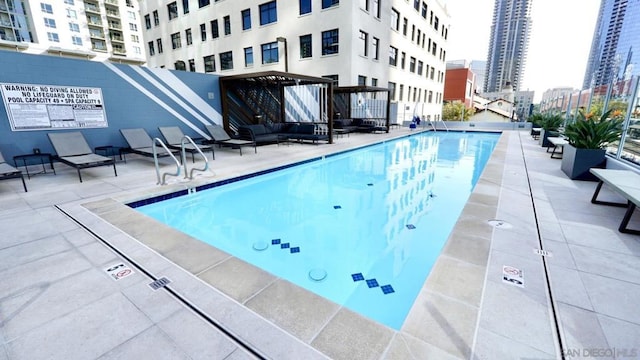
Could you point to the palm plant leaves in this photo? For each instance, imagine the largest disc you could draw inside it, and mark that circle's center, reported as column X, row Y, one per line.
column 589, row 133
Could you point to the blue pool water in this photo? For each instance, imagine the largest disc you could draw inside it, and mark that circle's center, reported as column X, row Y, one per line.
column 362, row 228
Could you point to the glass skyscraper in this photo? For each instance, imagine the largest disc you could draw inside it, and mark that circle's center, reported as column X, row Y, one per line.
column 616, row 40
column 508, row 45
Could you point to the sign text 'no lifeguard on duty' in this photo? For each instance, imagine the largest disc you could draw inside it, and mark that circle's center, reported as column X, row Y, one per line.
column 51, row 107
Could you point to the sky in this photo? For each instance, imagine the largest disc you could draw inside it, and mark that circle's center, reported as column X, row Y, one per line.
column 559, row 42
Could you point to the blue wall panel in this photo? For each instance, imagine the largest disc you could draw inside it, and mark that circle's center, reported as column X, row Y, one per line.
column 188, row 99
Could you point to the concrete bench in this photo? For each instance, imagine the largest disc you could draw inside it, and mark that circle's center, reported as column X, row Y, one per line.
column 558, row 144
column 625, row 183
column 535, row 133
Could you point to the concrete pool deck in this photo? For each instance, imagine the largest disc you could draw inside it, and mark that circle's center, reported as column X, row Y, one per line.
column 56, row 300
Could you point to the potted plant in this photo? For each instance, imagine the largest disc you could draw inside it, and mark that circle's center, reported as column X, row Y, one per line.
column 550, row 124
column 588, row 138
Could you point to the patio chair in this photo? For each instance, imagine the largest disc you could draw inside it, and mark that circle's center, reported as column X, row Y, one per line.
column 220, row 137
column 174, row 135
column 9, row 172
column 72, row 149
column 141, row 143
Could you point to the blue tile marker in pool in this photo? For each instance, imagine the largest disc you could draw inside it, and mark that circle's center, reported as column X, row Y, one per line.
column 338, row 254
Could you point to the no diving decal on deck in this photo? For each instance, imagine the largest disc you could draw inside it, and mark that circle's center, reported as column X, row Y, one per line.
column 118, row 271
column 512, row 276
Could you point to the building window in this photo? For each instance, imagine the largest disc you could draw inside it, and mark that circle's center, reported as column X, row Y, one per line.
column 203, row 32
column 430, row 98
column 133, row 27
column 209, row 64
column 248, row 56
column 71, row 14
column 433, row 72
column 76, row 40
column 226, row 60
column 364, row 4
column 405, row 25
column 416, row 4
column 305, row 7
column 132, row 15
column 270, row 53
column 375, row 9
column 330, row 42
column 424, row 10
column 180, row 65
column 74, row 27
column 329, row 3
column 392, row 90
column 268, row 13
column 305, row 46
column 215, row 33
column 376, row 44
column 53, row 37
column 435, row 23
column 47, row 8
column 152, row 50
column 395, row 19
column 433, row 48
column 401, row 93
column 364, row 42
column 176, row 42
column 187, row 34
column 203, row 3
column 159, row 42
column 246, row 19
column 403, row 56
column 185, row 6
column 192, row 65
column 156, row 18
column 50, row 23
column 374, row 82
column 393, row 56
column 147, row 21
column 420, row 67
column 412, row 64
column 332, row 77
column 362, row 80
column 70, row 2
column 227, row 29
column 135, row 38
column 173, row 10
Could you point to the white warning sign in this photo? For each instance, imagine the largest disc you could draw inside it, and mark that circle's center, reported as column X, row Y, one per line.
column 118, row 271
column 512, row 276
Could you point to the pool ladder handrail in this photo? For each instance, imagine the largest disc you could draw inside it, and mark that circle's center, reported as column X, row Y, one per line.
column 185, row 140
column 155, row 159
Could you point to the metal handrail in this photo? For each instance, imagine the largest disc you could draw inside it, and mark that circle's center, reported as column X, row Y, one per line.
column 445, row 125
column 184, row 157
column 155, row 158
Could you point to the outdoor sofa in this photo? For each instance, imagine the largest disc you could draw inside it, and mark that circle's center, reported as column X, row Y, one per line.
column 262, row 134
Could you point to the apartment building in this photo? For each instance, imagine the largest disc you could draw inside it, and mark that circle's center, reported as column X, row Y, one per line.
column 398, row 44
column 105, row 30
column 508, row 45
column 614, row 56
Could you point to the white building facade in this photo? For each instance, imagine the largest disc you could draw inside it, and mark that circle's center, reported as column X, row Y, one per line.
column 398, row 44
column 100, row 30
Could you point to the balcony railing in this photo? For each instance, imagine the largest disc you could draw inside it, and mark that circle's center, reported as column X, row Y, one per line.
column 94, row 23
column 113, row 25
column 113, row 13
column 111, row 2
column 116, row 38
column 92, row 9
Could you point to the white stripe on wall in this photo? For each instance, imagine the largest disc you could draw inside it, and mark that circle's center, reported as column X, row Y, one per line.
column 187, row 93
column 146, row 92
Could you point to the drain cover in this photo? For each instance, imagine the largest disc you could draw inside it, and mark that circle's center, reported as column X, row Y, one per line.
column 499, row 224
column 260, row 245
column 317, row 274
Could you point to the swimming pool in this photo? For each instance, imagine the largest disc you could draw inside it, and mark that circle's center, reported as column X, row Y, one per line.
column 362, row 228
